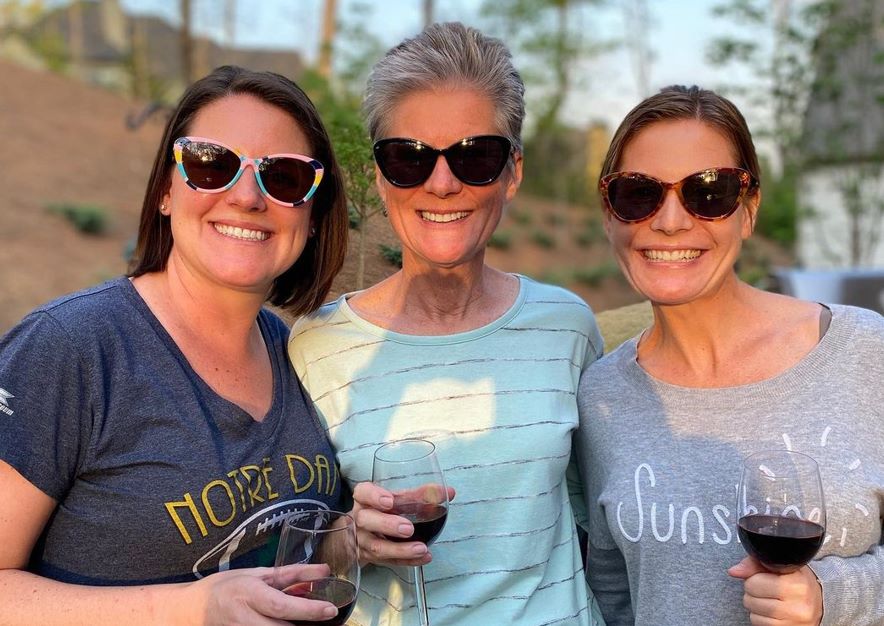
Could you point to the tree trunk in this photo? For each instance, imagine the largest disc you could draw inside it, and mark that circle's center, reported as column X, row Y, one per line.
column 186, row 42
column 324, row 64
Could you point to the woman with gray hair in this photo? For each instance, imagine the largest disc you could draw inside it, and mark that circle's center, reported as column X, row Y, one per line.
column 482, row 363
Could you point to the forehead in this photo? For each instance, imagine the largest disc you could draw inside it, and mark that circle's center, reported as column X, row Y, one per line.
column 670, row 150
column 248, row 123
column 440, row 117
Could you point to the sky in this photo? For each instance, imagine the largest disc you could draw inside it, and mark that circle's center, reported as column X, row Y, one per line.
column 678, row 34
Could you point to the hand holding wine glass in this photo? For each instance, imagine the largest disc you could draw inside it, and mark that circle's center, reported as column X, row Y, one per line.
column 320, row 538
column 410, row 470
column 781, row 519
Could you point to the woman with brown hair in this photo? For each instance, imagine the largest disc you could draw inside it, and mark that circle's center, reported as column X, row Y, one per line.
column 155, row 434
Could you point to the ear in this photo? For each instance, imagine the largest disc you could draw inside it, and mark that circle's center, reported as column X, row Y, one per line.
column 381, row 184
column 751, row 205
column 607, row 223
column 515, row 180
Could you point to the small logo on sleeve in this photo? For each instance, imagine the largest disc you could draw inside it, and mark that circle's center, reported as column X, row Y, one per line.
column 4, row 401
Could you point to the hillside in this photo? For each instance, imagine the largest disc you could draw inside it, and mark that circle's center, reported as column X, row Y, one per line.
column 67, row 142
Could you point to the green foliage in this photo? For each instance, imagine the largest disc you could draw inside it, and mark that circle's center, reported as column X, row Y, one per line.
column 594, row 276
column 52, row 49
column 543, row 239
column 777, row 217
column 522, row 217
column 593, row 232
column 86, row 218
column 391, row 254
column 353, row 218
column 500, row 239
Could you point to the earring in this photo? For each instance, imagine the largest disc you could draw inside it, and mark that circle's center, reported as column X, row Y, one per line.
column 163, row 208
column 384, row 211
column 313, row 231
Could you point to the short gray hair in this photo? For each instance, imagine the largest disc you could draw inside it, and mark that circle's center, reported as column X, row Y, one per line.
column 447, row 54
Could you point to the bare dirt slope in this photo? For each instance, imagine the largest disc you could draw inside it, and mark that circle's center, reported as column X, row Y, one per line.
column 66, row 142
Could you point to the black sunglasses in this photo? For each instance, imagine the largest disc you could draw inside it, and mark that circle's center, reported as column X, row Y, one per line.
column 473, row 160
column 711, row 194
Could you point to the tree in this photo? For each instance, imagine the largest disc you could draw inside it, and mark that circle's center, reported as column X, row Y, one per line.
column 548, row 54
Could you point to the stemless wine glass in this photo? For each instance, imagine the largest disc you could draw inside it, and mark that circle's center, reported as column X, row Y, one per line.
column 410, row 470
column 319, row 537
column 780, row 509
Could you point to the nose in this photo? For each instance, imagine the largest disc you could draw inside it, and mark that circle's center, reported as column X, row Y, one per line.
column 672, row 217
column 245, row 192
column 442, row 182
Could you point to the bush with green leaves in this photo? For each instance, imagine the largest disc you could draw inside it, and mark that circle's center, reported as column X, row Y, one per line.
column 543, row 239
column 86, row 218
column 500, row 239
column 391, row 254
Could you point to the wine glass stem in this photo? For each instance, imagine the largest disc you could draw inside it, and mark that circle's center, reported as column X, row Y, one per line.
column 421, row 595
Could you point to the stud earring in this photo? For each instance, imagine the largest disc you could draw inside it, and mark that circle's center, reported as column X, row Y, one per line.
column 313, row 231
column 384, row 211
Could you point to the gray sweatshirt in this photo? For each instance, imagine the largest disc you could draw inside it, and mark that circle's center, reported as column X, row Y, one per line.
column 660, row 466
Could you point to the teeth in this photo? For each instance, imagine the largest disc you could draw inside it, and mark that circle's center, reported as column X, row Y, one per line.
column 241, row 233
column 671, row 255
column 443, row 217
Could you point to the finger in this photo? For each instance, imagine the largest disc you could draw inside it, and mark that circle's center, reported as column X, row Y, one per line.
column 368, row 494
column 384, row 524
column 765, row 585
column 763, row 607
column 376, row 549
column 286, row 575
column 282, row 605
column 746, row 568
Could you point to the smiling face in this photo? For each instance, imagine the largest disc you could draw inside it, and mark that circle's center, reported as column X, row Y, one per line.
column 444, row 223
column 673, row 257
column 239, row 238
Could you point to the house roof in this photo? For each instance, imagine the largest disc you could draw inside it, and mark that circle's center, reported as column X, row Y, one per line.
column 844, row 120
column 108, row 34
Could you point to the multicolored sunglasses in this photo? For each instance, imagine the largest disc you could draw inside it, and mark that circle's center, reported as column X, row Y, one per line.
column 212, row 167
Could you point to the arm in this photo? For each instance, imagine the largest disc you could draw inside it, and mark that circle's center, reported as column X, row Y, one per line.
column 607, row 577
column 234, row 597
column 853, row 588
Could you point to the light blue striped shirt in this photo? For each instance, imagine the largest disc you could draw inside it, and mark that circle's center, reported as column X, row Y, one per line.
column 499, row 402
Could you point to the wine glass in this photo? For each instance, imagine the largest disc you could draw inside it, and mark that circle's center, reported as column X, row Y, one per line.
column 319, row 537
column 410, row 470
column 780, row 509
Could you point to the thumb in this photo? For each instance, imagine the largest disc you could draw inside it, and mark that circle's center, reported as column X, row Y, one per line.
column 746, row 568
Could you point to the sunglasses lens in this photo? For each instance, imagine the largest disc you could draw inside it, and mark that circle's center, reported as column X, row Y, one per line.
column 287, row 179
column 633, row 198
column 405, row 163
column 208, row 165
column 713, row 193
column 478, row 160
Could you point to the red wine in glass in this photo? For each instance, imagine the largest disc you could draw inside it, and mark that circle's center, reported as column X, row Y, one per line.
column 410, row 470
column 319, row 537
column 783, row 544
column 338, row 591
column 781, row 512
column 428, row 520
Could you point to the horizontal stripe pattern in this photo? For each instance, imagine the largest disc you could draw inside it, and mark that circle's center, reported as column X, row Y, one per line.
column 500, row 405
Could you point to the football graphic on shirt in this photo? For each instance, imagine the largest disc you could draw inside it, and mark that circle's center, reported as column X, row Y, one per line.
column 253, row 542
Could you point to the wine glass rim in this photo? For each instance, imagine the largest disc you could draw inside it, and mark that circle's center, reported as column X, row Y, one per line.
column 378, row 454
column 292, row 518
column 763, row 453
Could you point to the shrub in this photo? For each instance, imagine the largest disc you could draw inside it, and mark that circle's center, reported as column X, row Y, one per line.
column 392, row 254
column 500, row 239
column 543, row 239
column 86, row 218
column 593, row 276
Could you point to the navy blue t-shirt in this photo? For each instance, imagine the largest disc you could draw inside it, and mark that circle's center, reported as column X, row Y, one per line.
column 157, row 477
